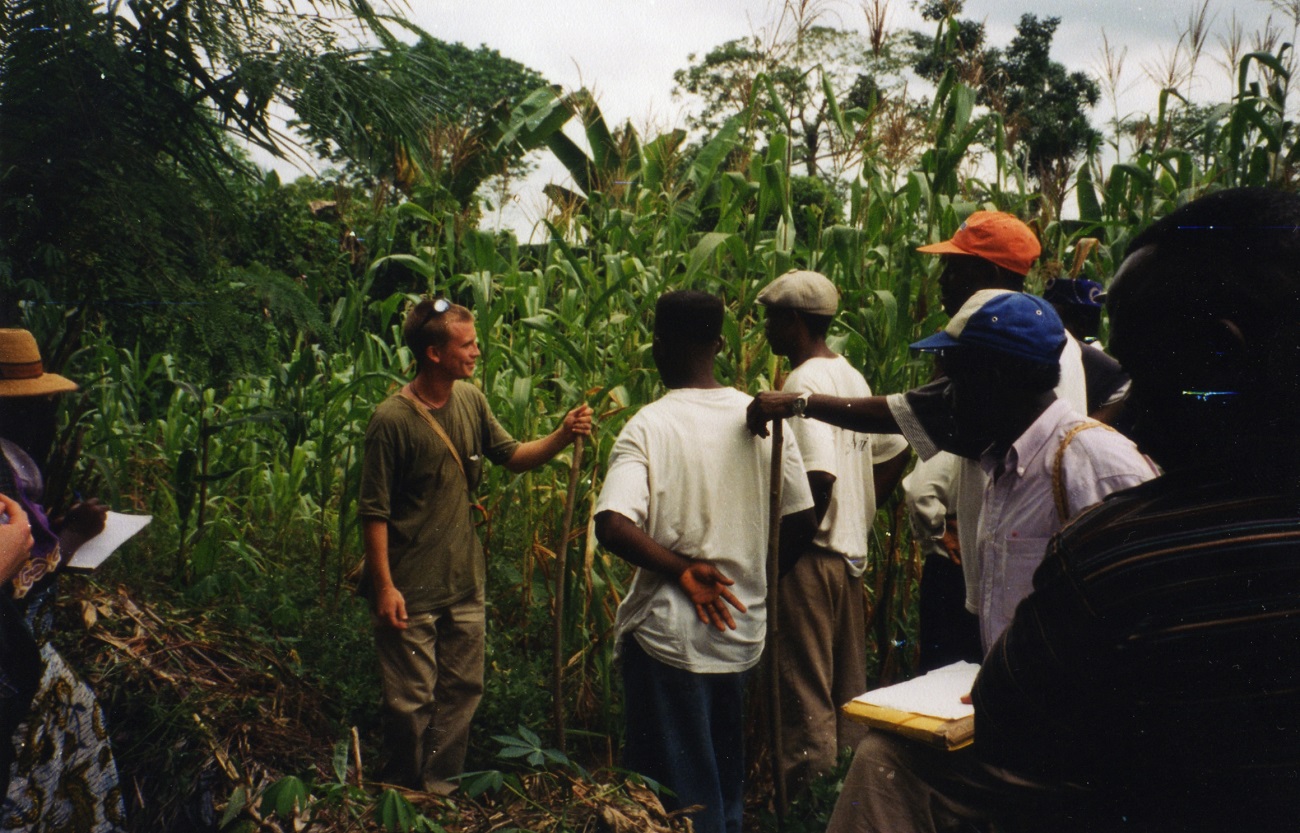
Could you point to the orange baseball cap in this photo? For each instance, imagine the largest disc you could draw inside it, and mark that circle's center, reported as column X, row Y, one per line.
column 995, row 236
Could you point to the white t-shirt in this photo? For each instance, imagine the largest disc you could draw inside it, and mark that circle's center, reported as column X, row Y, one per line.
column 929, row 491
column 687, row 471
column 848, row 455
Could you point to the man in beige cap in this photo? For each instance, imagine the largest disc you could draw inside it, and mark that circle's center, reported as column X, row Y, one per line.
column 822, row 628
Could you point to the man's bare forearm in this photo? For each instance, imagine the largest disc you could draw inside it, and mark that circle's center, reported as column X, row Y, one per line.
column 797, row 532
column 866, row 415
column 374, row 536
column 533, row 453
column 530, row 455
column 822, row 485
column 621, row 536
column 888, row 474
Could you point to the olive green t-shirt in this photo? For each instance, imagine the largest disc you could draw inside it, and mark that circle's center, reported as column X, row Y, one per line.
column 410, row 479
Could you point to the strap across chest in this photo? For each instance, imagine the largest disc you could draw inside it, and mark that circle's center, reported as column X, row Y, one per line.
column 1058, row 474
column 437, row 429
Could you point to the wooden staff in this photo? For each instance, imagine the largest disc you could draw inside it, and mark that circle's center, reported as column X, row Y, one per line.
column 773, row 651
column 561, row 565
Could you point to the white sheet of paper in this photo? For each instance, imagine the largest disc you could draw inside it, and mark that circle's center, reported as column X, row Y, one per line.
column 937, row 694
column 117, row 528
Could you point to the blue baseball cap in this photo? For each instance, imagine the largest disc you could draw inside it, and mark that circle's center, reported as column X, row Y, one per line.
column 1007, row 322
column 1075, row 292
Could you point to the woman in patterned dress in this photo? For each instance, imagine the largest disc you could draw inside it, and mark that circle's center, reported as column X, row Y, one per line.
column 58, row 767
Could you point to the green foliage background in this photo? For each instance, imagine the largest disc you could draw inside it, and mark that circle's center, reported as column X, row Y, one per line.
column 232, row 333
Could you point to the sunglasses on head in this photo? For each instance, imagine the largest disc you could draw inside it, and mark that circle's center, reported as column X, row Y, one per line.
column 439, row 306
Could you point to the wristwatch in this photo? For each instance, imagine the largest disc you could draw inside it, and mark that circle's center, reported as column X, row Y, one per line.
column 800, row 405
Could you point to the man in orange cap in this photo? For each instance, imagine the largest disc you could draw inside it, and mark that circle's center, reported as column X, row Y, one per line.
column 990, row 250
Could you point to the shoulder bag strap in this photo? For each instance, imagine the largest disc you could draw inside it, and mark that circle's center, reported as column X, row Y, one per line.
column 1058, row 476
column 437, row 429
column 357, row 576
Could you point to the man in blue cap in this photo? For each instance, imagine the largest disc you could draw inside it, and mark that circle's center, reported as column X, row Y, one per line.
column 1079, row 302
column 1045, row 462
column 997, row 406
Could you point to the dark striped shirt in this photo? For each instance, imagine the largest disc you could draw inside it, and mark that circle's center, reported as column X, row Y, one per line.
column 1157, row 662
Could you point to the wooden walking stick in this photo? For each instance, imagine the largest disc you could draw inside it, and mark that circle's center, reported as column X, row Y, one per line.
column 561, row 572
column 773, row 651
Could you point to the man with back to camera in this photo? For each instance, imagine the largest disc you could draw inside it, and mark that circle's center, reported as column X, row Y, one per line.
column 1148, row 682
column 822, row 632
column 685, row 500
column 424, row 451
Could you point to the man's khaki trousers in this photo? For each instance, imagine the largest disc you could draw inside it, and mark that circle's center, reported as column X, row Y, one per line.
column 432, row 676
column 822, row 638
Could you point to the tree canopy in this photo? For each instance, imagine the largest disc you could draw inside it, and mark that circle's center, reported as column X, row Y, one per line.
column 1043, row 105
column 798, row 70
column 462, row 93
column 124, row 188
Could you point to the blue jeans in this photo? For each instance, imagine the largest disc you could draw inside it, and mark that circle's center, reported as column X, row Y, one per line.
column 686, row 731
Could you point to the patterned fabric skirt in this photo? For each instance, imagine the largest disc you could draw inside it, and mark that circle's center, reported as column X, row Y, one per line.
column 63, row 777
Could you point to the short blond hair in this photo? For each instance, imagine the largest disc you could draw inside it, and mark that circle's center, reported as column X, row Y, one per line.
column 426, row 327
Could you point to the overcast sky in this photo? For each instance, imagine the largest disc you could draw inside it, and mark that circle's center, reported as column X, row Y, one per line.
column 626, row 52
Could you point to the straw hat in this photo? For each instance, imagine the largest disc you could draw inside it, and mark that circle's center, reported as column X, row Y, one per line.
column 21, row 371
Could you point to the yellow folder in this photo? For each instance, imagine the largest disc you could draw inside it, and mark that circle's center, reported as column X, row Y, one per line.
column 936, row 731
column 927, row 709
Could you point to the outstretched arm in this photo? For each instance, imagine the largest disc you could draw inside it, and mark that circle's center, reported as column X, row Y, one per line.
column 701, row 581
column 868, row 414
column 532, row 454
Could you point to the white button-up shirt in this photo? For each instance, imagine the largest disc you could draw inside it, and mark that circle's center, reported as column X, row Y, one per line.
column 1019, row 513
column 913, row 412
